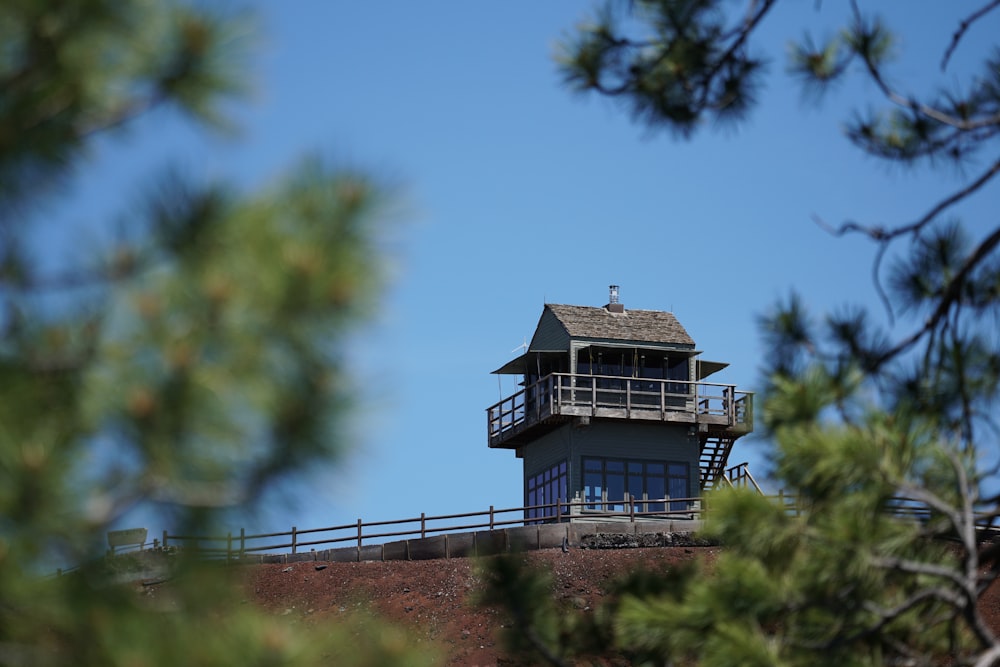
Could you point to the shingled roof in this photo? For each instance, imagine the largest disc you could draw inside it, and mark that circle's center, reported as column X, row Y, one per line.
column 645, row 326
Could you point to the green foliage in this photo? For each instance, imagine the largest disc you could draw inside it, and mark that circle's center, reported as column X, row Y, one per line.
column 884, row 444
column 195, row 619
column 191, row 360
column 680, row 63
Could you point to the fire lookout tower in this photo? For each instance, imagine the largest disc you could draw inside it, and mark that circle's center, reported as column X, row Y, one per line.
column 614, row 405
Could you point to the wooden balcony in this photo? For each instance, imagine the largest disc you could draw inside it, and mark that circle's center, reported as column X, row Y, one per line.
column 558, row 397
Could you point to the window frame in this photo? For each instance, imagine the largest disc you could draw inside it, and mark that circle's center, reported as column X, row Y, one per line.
column 546, row 487
column 596, row 483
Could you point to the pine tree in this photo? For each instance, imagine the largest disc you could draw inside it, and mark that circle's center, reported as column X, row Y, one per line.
column 190, row 360
column 886, row 441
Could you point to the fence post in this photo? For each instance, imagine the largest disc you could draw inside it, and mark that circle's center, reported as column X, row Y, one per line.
column 631, row 508
column 491, row 517
column 728, row 402
column 243, row 542
column 164, row 539
column 423, row 525
column 359, row 537
column 229, row 547
column 558, row 510
column 295, row 539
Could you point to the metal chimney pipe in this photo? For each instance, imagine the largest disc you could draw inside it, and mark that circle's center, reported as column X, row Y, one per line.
column 613, row 305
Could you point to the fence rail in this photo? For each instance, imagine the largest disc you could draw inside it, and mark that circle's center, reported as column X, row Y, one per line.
column 361, row 533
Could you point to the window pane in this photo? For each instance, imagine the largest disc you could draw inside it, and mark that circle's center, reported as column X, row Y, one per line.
column 592, row 488
column 654, row 468
column 656, row 489
column 616, row 488
column 592, row 464
column 678, row 489
column 635, row 486
column 615, row 466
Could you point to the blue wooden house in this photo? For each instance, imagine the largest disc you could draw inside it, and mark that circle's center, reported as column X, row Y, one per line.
column 616, row 404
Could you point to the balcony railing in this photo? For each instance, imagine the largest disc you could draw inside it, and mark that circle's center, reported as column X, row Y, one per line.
column 566, row 394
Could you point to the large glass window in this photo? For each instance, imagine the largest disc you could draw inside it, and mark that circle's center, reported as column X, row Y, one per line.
column 606, row 481
column 546, row 488
column 677, row 478
column 677, row 369
column 593, row 482
column 614, row 483
column 656, row 485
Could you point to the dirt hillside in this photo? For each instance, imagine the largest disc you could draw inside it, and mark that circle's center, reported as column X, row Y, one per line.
column 434, row 597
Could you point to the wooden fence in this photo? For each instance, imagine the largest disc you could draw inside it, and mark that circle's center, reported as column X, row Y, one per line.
column 362, row 533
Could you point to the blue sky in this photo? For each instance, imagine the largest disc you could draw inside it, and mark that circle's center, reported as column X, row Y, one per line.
column 513, row 192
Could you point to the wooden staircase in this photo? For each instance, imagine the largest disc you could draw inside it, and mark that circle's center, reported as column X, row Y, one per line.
column 714, row 456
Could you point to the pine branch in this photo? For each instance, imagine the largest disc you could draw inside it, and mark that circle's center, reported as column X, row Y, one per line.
column 883, row 234
column 963, row 27
column 948, row 299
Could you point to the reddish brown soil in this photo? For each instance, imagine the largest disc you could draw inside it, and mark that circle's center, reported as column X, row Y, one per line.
column 434, row 598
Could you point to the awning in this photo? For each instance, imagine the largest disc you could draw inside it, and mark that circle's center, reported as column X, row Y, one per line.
column 528, row 362
column 670, row 348
column 706, row 368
